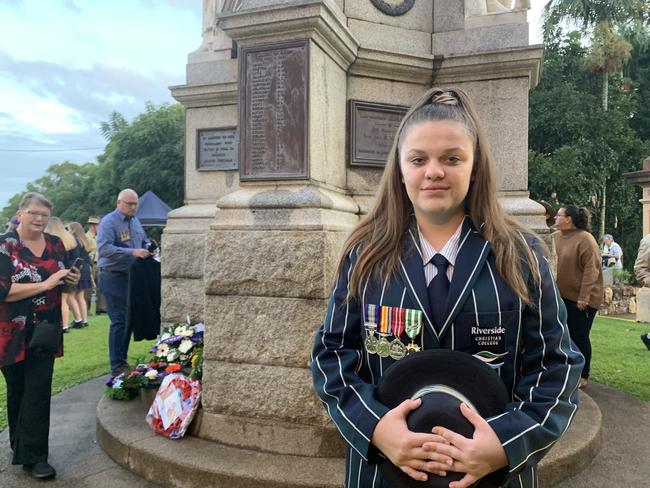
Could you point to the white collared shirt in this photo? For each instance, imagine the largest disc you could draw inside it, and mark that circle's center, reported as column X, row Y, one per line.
column 449, row 251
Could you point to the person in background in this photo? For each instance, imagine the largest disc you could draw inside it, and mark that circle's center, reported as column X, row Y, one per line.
column 642, row 273
column 86, row 280
column 12, row 224
column 120, row 240
column 33, row 275
column 612, row 254
column 91, row 236
column 56, row 228
column 549, row 213
column 579, row 276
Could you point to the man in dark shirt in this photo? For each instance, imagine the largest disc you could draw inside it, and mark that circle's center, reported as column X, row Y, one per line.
column 120, row 240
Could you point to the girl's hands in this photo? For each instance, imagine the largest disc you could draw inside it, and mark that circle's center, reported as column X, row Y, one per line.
column 476, row 457
column 404, row 448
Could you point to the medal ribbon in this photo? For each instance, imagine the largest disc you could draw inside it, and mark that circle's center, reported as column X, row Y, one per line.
column 371, row 313
column 413, row 322
column 399, row 321
column 386, row 320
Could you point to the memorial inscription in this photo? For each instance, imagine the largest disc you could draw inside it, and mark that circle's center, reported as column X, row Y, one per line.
column 372, row 129
column 216, row 149
column 274, row 110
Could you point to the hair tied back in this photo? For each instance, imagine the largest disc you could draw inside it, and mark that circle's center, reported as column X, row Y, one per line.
column 444, row 97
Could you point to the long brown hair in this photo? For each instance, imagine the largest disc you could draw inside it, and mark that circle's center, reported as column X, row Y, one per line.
column 379, row 233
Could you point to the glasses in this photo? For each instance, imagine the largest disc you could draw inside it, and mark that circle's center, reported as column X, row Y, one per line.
column 130, row 204
column 35, row 214
column 560, row 215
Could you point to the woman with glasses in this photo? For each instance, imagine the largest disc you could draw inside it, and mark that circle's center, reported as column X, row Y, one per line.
column 33, row 275
column 579, row 276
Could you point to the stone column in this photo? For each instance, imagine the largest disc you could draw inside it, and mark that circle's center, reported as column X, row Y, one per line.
column 272, row 248
column 642, row 179
column 486, row 52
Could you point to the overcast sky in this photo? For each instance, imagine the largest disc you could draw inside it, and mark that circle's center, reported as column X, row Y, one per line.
column 65, row 65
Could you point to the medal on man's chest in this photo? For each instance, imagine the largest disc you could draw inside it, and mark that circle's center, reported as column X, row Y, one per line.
column 125, row 235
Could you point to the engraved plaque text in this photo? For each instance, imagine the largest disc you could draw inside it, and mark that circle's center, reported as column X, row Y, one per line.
column 372, row 129
column 274, row 110
column 216, row 149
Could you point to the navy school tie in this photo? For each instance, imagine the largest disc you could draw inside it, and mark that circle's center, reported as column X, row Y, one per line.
column 438, row 290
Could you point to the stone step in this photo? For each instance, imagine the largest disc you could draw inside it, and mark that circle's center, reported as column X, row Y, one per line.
column 193, row 462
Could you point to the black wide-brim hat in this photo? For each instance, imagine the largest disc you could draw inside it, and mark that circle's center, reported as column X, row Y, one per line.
column 442, row 379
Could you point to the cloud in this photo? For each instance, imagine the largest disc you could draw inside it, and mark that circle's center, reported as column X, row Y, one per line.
column 29, row 159
column 91, row 92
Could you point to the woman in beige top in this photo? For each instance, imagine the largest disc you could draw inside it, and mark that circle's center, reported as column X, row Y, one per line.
column 579, row 276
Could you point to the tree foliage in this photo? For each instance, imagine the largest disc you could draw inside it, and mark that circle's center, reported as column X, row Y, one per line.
column 576, row 147
column 146, row 154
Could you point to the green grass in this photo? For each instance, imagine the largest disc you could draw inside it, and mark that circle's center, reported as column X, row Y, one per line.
column 85, row 357
column 619, row 357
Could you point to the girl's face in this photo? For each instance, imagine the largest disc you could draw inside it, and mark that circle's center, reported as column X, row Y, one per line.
column 436, row 162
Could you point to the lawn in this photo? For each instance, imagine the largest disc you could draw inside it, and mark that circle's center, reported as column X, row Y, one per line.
column 619, row 359
column 85, row 358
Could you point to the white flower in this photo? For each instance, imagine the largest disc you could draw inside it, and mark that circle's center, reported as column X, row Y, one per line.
column 179, row 330
column 162, row 350
column 166, row 335
column 172, row 356
column 183, row 357
column 185, row 346
column 151, row 374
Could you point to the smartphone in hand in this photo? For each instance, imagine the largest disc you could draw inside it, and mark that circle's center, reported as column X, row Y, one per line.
column 78, row 263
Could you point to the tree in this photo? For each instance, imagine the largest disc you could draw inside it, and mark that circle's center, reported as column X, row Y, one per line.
column 573, row 141
column 67, row 186
column 609, row 50
column 146, row 154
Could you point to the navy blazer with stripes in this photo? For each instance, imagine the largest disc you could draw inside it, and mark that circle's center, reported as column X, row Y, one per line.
column 541, row 369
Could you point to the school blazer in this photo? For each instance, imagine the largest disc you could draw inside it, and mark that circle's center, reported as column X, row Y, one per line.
column 536, row 359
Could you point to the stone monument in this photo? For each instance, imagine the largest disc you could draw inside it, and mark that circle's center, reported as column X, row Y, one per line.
column 291, row 106
column 642, row 179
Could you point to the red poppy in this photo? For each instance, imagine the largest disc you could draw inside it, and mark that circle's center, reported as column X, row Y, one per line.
column 172, row 368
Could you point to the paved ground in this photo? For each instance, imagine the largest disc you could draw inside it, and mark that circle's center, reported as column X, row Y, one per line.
column 74, row 452
column 624, row 461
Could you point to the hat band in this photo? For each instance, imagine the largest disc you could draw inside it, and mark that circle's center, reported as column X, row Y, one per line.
column 447, row 391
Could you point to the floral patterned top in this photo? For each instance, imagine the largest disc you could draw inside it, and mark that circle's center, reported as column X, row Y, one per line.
column 19, row 265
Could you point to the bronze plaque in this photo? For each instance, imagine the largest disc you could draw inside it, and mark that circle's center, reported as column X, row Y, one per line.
column 216, row 149
column 372, row 129
column 273, row 110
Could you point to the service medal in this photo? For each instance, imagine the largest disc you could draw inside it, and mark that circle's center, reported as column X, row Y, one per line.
column 371, row 344
column 397, row 347
column 383, row 346
column 371, row 326
column 413, row 325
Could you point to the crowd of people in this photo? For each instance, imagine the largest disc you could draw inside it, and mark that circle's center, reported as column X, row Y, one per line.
column 48, row 270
